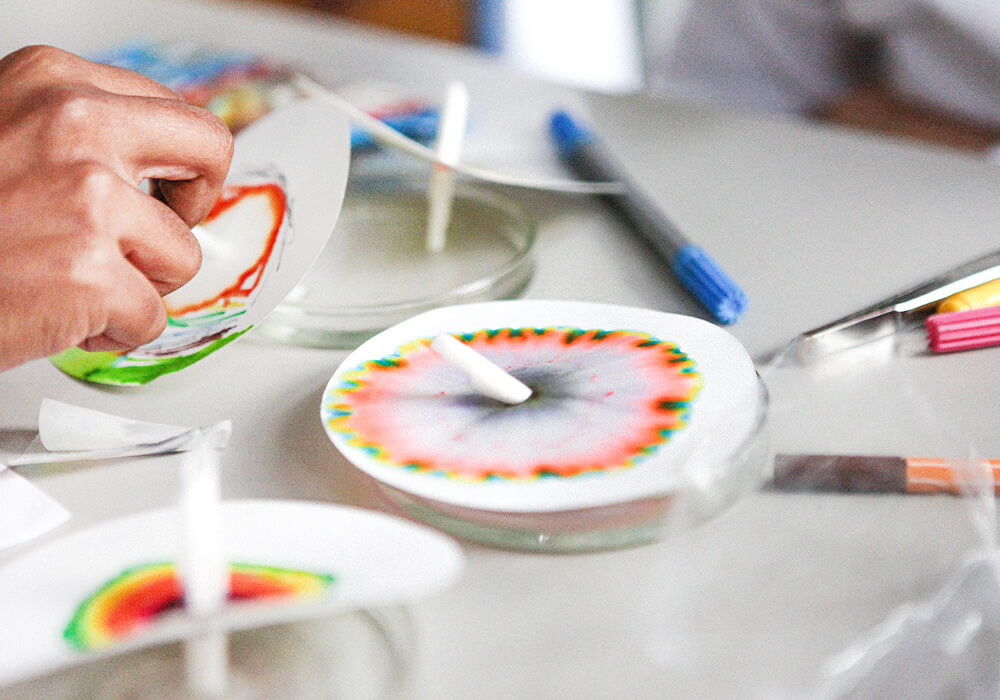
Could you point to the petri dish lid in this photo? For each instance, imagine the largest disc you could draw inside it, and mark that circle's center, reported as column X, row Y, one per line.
column 376, row 271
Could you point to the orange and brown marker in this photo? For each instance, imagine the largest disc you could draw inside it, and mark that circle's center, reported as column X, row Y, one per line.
column 876, row 474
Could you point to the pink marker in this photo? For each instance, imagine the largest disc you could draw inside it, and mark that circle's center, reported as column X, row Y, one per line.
column 964, row 330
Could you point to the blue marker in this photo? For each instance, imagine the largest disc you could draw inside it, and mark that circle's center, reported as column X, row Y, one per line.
column 693, row 266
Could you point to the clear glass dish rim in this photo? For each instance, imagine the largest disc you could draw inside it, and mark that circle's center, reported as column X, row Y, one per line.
column 515, row 212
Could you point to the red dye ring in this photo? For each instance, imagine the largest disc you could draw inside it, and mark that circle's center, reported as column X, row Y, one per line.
column 133, row 600
column 602, row 401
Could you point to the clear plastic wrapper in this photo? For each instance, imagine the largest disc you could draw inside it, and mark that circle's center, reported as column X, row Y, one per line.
column 869, row 570
column 945, row 647
column 879, row 421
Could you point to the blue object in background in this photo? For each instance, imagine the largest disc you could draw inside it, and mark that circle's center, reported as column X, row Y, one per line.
column 488, row 26
column 179, row 66
column 420, row 126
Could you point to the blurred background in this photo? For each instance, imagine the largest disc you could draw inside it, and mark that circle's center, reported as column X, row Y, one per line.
column 917, row 69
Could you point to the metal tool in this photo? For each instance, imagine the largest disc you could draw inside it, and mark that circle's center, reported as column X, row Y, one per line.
column 896, row 313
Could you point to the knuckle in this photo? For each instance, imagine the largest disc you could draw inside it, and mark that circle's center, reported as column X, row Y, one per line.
column 178, row 266
column 218, row 136
column 88, row 201
column 94, row 182
column 87, row 269
column 59, row 334
column 137, row 322
column 69, row 322
column 94, row 286
column 65, row 112
column 36, row 59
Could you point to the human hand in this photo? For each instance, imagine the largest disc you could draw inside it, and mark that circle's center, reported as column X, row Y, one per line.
column 85, row 254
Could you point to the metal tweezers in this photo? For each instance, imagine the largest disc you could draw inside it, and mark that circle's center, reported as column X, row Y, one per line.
column 896, row 313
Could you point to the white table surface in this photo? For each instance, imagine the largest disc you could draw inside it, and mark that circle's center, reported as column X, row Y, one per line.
column 814, row 223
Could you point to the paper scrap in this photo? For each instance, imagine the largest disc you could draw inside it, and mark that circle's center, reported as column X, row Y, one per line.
column 63, row 426
column 26, row 512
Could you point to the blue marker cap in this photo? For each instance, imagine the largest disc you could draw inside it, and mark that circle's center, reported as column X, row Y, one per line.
column 568, row 133
column 709, row 283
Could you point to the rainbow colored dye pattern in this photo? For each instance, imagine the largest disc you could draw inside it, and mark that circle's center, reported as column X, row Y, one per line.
column 196, row 330
column 135, row 598
column 603, row 399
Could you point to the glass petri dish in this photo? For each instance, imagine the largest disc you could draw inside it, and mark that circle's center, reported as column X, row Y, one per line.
column 362, row 655
column 376, row 270
column 639, row 421
column 613, row 526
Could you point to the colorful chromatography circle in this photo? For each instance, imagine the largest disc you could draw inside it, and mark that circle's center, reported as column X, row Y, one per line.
column 133, row 600
column 412, row 409
column 610, row 399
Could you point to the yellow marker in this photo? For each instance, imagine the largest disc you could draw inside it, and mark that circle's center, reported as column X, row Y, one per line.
column 975, row 298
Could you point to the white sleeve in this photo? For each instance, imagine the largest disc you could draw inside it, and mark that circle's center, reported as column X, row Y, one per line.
column 944, row 53
column 776, row 55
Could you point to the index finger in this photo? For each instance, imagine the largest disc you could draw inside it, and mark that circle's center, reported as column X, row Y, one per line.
column 153, row 133
column 186, row 149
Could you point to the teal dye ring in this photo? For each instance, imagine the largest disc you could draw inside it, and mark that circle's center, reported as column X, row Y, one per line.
column 623, row 391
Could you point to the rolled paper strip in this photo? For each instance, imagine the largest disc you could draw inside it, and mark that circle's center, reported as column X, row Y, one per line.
column 74, row 433
column 448, row 149
column 178, row 443
column 486, row 377
column 203, row 565
column 204, row 570
column 385, row 133
column 63, row 426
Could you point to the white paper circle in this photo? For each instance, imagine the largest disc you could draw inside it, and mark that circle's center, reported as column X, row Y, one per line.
column 722, row 416
column 376, row 559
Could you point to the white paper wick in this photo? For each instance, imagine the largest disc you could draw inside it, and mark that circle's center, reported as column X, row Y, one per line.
column 448, row 149
column 486, row 377
column 66, row 427
column 204, row 570
column 385, row 133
